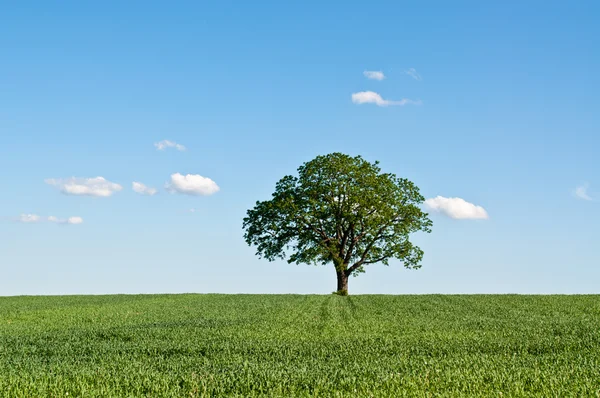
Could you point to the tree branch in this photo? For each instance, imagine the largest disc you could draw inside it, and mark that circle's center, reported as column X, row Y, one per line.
column 365, row 253
column 315, row 229
column 353, row 242
column 377, row 260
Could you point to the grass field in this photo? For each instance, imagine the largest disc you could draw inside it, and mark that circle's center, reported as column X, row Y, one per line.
column 288, row 345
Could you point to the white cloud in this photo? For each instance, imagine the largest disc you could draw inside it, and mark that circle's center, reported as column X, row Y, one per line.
column 582, row 192
column 70, row 220
column 371, row 97
column 164, row 144
column 75, row 220
column 412, row 72
column 29, row 218
column 374, row 75
column 192, row 184
column 456, row 208
column 142, row 189
column 33, row 218
column 97, row 186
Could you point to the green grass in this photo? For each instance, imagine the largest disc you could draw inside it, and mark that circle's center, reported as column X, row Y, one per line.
column 287, row 345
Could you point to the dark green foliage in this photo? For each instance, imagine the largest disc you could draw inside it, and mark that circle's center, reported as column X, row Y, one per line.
column 300, row 346
column 340, row 210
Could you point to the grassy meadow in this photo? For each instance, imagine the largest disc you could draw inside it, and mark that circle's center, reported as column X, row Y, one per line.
column 300, row 346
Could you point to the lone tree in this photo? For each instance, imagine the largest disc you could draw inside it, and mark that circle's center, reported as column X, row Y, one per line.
column 341, row 210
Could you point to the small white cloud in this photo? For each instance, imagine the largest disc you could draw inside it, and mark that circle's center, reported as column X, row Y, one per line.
column 192, row 184
column 142, row 189
column 412, row 72
column 164, row 144
column 371, row 97
column 75, row 220
column 32, row 218
column 582, row 192
column 97, row 186
column 29, row 218
column 68, row 221
column 374, row 75
column 456, row 208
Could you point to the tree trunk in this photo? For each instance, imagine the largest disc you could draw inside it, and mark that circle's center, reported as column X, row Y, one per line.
column 342, row 283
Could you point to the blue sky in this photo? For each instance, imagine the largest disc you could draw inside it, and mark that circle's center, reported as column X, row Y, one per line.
column 505, row 116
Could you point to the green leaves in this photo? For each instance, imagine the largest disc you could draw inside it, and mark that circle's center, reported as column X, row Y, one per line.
column 341, row 210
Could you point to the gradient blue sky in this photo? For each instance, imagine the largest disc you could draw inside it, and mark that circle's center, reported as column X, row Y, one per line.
column 508, row 121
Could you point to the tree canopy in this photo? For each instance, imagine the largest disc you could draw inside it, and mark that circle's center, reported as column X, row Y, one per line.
column 339, row 210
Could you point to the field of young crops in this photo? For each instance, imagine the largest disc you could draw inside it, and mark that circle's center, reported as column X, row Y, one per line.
column 288, row 345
